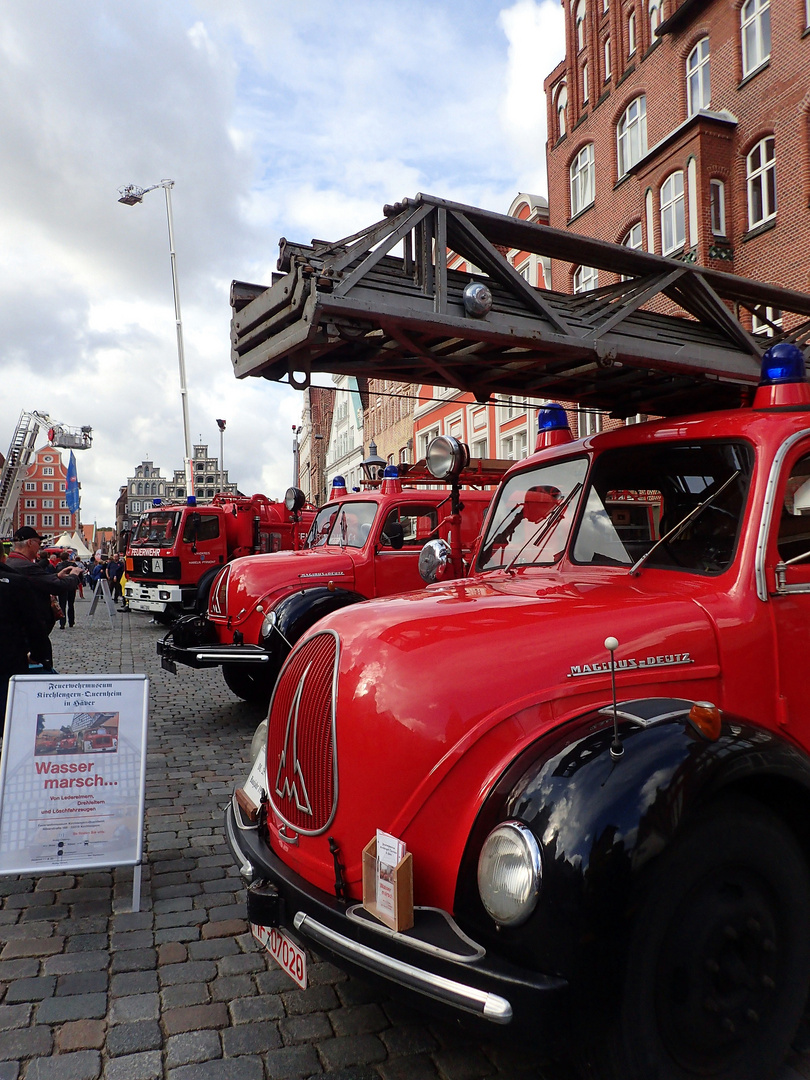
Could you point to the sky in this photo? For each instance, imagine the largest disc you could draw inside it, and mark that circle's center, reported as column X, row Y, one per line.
column 273, row 119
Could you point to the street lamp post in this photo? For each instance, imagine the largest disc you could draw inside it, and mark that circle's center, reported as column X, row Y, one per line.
column 131, row 195
column 297, row 429
column 221, row 426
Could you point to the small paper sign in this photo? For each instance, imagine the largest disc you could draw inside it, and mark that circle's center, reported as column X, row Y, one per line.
column 390, row 853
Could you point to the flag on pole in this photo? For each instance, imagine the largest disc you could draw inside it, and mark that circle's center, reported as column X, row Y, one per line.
column 72, row 485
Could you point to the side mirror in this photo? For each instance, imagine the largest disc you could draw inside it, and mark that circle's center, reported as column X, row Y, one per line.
column 393, row 535
column 434, row 559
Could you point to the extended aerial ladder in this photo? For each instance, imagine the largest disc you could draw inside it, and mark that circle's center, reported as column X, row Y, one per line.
column 21, row 454
column 668, row 337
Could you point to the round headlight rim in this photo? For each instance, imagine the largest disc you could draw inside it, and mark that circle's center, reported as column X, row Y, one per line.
column 457, row 452
column 269, row 623
column 531, row 846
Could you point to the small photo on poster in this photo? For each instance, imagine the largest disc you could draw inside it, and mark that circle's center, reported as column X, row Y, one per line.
column 76, row 733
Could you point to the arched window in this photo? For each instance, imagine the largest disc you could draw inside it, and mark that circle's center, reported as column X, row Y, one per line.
column 606, row 54
column 631, row 134
column 633, row 238
column 585, row 279
column 631, row 34
column 673, row 223
column 755, row 27
column 140, row 489
column 760, row 171
column 698, row 90
column 562, row 104
column 654, row 17
column 584, row 82
column 582, row 179
column 579, row 22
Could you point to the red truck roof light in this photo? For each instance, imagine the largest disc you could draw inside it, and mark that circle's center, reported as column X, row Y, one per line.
column 783, row 380
column 552, row 426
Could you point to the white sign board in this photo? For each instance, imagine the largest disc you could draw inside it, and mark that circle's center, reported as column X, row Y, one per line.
column 73, row 772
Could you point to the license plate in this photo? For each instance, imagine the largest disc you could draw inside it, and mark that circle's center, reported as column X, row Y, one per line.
column 284, row 951
column 157, row 566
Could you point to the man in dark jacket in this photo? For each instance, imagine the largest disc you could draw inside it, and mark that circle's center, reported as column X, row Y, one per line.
column 45, row 583
column 21, row 632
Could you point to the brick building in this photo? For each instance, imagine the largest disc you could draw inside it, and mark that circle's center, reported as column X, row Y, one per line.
column 42, row 502
column 683, row 128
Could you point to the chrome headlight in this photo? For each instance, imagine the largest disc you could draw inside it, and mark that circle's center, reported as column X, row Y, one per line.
column 434, row 558
column 446, row 457
column 259, row 741
column 268, row 624
column 510, row 873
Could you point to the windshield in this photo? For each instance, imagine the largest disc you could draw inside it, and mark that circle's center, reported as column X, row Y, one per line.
column 345, row 524
column 637, row 495
column 532, row 516
column 158, row 529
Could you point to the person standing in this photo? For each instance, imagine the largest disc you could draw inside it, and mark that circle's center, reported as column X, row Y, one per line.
column 115, row 571
column 45, row 583
column 67, row 562
column 22, row 637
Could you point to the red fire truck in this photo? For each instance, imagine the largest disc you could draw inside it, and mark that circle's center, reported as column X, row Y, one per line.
column 361, row 544
column 176, row 550
column 595, row 748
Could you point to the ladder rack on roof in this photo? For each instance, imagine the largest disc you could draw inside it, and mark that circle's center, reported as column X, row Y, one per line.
column 21, row 455
column 384, row 304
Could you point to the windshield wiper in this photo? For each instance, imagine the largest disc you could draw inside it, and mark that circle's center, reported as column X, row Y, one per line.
column 545, row 527
column 676, row 530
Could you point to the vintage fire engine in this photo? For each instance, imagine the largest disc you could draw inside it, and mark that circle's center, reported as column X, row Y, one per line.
column 176, row 550
column 361, row 544
column 596, row 746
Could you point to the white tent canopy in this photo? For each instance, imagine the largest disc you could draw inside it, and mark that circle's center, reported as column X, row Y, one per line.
column 64, row 541
column 80, row 547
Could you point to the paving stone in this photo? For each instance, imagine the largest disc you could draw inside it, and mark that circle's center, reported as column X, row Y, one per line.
column 137, row 1007
column 195, row 971
column 293, row 1063
column 174, row 997
column 134, row 982
column 25, row 1042
column 15, row 1016
column 193, row 1047
column 265, row 1007
column 85, row 942
column 9, row 1070
column 311, row 1027
column 416, row 1067
column 462, row 1064
column 82, row 982
column 407, row 1039
column 56, row 1010
column 134, row 960
column 172, row 952
column 224, row 928
column 351, row 1050
column 81, row 1035
column 240, row 964
column 32, row 947
column 70, row 963
column 214, row 949
column 134, row 1038
column 132, row 939
column 253, row 1038
column 145, row 1066
column 358, row 1019
column 31, row 989
column 83, row 1065
column 243, row 1068
column 195, row 1018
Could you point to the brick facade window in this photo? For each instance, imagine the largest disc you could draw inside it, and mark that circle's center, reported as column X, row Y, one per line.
column 760, row 171
column 606, row 54
column 698, row 89
column 631, row 34
column 584, row 82
column 579, row 22
column 585, row 279
column 654, row 18
column 717, row 202
column 631, row 134
column 673, row 222
column 755, row 17
column 562, row 103
column 582, row 179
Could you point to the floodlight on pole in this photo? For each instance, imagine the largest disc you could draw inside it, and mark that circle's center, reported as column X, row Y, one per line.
column 130, row 196
column 221, row 426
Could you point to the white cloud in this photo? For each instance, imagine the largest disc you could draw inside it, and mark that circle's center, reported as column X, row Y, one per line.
column 273, row 119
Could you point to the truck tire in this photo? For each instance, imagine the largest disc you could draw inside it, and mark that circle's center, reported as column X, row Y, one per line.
column 250, row 683
column 719, row 957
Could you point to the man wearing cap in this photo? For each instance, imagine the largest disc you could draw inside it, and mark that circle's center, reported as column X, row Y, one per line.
column 45, row 583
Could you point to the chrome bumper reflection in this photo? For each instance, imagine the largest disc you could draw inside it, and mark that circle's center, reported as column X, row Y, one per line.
column 469, row 998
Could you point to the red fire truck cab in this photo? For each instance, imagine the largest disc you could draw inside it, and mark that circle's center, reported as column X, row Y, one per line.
column 177, row 549
column 361, row 545
column 596, row 748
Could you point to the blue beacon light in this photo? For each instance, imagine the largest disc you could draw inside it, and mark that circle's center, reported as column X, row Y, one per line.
column 552, row 426
column 783, row 378
column 390, row 481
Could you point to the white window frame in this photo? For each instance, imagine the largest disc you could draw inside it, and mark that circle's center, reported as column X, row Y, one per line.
column 717, row 207
column 47, row 470
column 760, row 173
column 47, row 520
column 47, row 485
column 425, row 437
column 47, row 504
column 579, row 25
column 654, row 17
column 590, row 422
column 30, row 504
column 631, row 34
column 64, row 519
column 673, row 213
column 755, row 34
column 30, row 487
column 631, row 134
column 698, row 81
column 634, row 237
column 582, row 175
column 585, row 279
column 606, row 56
column 31, row 519
column 585, row 91
column 562, row 105
column 765, row 327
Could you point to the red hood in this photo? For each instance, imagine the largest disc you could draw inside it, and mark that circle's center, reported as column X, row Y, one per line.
column 258, row 578
column 411, row 747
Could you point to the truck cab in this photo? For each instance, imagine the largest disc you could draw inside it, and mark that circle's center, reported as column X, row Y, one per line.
column 595, row 749
column 175, row 548
column 360, row 545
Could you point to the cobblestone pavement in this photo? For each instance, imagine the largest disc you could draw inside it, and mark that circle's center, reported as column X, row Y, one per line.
column 179, row 990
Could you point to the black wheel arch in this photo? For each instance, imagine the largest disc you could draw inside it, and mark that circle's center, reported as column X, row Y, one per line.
column 300, row 610
column 603, row 824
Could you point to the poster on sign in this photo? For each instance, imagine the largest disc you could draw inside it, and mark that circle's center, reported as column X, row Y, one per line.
column 72, row 772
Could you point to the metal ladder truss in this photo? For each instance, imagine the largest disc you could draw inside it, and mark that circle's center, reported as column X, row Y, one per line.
column 666, row 338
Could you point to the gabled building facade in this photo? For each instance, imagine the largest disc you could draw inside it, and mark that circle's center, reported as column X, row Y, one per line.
column 42, row 502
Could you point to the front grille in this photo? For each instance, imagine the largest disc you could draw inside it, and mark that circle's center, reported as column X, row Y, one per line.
column 142, row 567
column 301, row 750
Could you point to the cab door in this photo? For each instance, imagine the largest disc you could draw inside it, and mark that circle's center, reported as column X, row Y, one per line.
column 203, row 541
column 405, row 530
column 788, row 584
